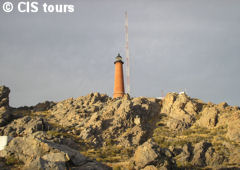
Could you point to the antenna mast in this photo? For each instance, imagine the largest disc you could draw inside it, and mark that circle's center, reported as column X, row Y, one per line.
column 127, row 53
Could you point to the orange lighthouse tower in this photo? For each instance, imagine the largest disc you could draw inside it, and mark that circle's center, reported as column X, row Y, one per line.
column 119, row 81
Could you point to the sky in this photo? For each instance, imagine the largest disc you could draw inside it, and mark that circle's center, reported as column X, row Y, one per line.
column 175, row 45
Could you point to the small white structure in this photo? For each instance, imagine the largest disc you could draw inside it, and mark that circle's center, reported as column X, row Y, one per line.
column 182, row 92
column 3, row 142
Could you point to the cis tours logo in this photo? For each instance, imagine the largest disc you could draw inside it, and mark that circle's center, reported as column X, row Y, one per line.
column 34, row 7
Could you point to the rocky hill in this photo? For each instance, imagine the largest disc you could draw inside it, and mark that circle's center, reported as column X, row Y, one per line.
column 98, row 132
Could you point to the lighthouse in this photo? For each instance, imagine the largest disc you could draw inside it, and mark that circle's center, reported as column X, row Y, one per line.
column 119, row 80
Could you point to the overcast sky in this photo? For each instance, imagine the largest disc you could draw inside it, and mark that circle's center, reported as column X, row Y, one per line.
column 175, row 45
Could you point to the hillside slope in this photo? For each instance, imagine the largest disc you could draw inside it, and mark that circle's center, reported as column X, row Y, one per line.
column 98, row 132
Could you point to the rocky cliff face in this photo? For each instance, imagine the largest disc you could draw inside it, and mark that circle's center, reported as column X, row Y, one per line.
column 98, row 132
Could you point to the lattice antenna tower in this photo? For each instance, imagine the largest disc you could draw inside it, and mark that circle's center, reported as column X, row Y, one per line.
column 127, row 53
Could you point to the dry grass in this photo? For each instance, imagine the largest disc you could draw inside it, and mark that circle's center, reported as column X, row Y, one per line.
column 110, row 153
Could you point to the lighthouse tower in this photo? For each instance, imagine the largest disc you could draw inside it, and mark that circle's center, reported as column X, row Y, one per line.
column 118, row 82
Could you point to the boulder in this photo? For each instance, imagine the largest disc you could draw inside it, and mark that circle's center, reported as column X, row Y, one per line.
column 181, row 109
column 168, row 101
column 209, row 117
column 212, row 158
column 5, row 114
column 4, row 99
column 146, row 154
column 150, row 154
column 233, row 132
column 186, row 154
column 49, row 161
column 199, row 151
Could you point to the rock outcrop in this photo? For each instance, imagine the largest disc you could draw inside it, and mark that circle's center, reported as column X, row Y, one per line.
column 5, row 114
column 99, row 117
column 4, row 96
column 233, row 132
column 25, row 126
column 129, row 133
column 209, row 117
column 37, row 153
column 199, row 151
column 150, row 155
column 181, row 110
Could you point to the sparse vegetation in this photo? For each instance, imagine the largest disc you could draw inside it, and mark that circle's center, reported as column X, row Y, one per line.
column 58, row 134
column 110, row 153
column 12, row 160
